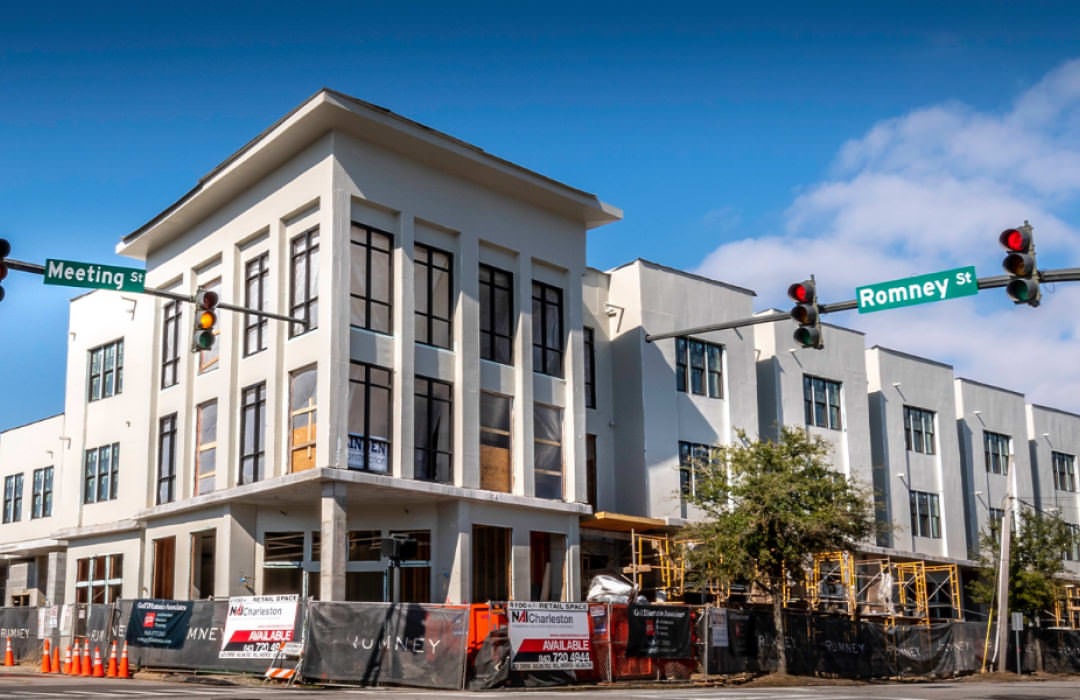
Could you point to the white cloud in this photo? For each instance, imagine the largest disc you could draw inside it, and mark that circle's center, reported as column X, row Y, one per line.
column 928, row 191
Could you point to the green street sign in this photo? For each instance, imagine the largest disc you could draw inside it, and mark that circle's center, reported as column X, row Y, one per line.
column 922, row 289
column 79, row 274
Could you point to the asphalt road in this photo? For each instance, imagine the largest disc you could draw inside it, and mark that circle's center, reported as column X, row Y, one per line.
column 27, row 686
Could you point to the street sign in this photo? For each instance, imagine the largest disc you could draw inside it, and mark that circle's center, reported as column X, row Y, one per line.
column 922, row 289
column 80, row 274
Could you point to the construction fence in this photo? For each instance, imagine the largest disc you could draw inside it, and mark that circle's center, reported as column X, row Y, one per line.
column 459, row 646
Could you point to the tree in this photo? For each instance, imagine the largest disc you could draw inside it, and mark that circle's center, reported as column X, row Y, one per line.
column 769, row 507
column 1036, row 555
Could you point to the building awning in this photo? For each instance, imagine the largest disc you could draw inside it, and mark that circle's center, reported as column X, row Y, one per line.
column 618, row 522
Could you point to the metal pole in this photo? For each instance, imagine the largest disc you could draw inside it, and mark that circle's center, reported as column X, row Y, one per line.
column 1003, row 581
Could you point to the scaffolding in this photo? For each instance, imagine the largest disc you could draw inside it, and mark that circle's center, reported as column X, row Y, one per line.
column 1067, row 610
column 658, row 565
column 912, row 592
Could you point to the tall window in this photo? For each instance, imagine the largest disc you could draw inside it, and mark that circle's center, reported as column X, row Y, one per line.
column 496, row 315
column 106, row 370
column 693, row 459
column 590, row 367
column 821, row 401
column 1072, row 551
column 925, row 514
column 491, row 549
column 256, row 274
column 547, row 322
column 996, row 448
column 252, row 433
column 101, row 472
column 994, row 519
column 1064, row 471
column 170, row 344
column 434, row 295
column 208, row 359
column 166, row 471
column 302, row 415
column 304, row 281
column 41, row 506
column 496, row 473
column 206, row 448
column 13, row 495
column 99, row 579
column 370, row 417
column 434, row 421
column 547, row 451
column 699, row 367
column 372, row 279
column 919, row 430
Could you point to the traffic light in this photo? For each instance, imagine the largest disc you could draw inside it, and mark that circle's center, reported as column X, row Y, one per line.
column 206, row 303
column 1023, row 288
column 806, row 314
column 5, row 250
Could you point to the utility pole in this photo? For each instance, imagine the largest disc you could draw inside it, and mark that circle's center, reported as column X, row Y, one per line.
column 1003, row 579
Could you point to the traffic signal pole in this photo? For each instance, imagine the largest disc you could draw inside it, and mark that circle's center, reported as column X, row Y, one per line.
column 1071, row 274
column 36, row 269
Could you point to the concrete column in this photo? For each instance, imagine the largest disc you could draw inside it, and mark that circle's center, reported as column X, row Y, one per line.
column 334, row 535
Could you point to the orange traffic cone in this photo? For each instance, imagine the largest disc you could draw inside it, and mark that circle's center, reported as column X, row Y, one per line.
column 46, row 658
column 110, row 672
column 67, row 660
column 99, row 669
column 9, row 655
column 84, row 668
column 124, row 671
column 56, row 658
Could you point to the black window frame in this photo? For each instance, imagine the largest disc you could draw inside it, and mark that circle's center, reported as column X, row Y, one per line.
column 170, row 343
column 1064, row 468
column 426, row 450
column 253, row 440
column 107, row 380
column 589, row 341
column 256, row 276
column 101, row 479
column 925, row 514
column 41, row 504
column 427, row 318
column 366, row 246
column 13, row 497
column 693, row 458
column 497, row 326
column 919, row 433
column 366, row 375
column 699, row 367
column 818, row 407
column 304, row 304
column 997, row 461
column 548, row 352
column 166, row 454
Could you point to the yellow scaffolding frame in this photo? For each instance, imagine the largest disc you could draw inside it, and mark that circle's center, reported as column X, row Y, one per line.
column 1067, row 610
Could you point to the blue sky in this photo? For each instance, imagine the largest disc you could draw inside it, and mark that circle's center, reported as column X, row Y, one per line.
column 860, row 142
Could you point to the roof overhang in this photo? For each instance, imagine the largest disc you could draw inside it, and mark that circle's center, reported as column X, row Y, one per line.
column 618, row 522
column 329, row 111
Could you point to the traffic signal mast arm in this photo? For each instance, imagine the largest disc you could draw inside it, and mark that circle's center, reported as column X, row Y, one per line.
column 36, row 269
column 1071, row 274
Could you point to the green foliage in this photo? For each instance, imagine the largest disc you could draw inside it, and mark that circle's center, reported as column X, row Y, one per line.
column 769, row 507
column 1035, row 560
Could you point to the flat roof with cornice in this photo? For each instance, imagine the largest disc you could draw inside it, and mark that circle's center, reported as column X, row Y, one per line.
column 327, row 111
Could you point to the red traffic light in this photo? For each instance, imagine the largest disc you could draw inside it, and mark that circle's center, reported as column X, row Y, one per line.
column 205, row 299
column 802, row 292
column 1015, row 240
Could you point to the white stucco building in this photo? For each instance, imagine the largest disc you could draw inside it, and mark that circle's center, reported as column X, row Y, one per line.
column 457, row 378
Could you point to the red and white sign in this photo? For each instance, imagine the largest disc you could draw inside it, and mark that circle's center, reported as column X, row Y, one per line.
column 549, row 636
column 258, row 625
